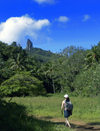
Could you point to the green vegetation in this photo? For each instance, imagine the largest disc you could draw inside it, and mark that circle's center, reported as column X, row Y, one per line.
column 44, row 114
column 36, row 73
column 74, row 70
column 20, row 115
column 41, row 55
column 85, row 108
column 22, row 84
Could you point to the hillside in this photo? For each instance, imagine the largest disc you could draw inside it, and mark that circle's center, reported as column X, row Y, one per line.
column 38, row 53
column 41, row 55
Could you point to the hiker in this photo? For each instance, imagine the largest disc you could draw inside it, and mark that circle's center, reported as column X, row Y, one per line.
column 67, row 107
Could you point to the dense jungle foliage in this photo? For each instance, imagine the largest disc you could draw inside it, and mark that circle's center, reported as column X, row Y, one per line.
column 37, row 72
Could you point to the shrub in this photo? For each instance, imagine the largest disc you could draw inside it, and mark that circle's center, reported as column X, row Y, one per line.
column 22, row 84
column 88, row 82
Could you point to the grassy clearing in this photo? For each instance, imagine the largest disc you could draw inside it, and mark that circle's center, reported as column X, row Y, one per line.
column 13, row 117
column 86, row 109
column 48, row 108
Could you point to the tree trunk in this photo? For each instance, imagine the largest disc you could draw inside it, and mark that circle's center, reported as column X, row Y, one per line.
column 53, row 86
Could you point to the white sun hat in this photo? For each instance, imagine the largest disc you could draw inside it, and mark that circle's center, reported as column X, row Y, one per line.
column 66, row 96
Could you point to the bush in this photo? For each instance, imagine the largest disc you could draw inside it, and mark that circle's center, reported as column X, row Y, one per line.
column 22, row 84
column 87, row 83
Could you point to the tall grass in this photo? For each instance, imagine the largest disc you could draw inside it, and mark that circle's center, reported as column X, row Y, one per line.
column 85, row 108
column 21, row 115
column 44, row 113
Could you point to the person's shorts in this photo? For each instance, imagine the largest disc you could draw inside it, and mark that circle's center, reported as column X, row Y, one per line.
column 67, row 113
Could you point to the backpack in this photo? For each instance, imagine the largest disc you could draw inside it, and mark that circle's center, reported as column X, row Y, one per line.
column 69, row 106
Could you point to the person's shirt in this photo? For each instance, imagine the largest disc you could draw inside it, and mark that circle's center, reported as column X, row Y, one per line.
column 63, row 105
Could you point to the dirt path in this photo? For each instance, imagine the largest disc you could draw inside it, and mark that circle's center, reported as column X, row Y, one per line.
column 77, row 125
column 81, row 126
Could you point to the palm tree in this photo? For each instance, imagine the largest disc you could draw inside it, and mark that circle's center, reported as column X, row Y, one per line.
column 92, row 56
column 17, row 64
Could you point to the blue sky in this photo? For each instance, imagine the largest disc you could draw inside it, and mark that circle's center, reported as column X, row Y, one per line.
column 50, row 24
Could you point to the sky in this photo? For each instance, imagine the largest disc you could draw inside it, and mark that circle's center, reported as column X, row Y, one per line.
column 50, row 24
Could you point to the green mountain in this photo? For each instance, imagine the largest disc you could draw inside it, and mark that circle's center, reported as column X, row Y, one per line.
column 38, row 53
column 42, row 55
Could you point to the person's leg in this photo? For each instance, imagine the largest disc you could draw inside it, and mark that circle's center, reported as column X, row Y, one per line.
column 67, row 122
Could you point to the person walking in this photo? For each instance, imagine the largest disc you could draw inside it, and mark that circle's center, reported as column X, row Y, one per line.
column 67, row 107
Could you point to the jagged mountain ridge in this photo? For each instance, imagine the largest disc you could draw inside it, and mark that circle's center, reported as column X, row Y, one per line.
column 38, row 53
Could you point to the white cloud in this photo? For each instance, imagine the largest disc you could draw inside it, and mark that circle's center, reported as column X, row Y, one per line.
column 44, row 1
column 63, row 19
column 16, row 28
column 86, row 17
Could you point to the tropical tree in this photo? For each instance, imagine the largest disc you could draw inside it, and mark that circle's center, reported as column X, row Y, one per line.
column 93, row 56
column 22, row 84
column 18, row 63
